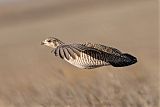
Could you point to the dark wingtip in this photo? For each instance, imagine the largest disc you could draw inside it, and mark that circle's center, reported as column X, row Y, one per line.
column 124, row 60
column 132, row 58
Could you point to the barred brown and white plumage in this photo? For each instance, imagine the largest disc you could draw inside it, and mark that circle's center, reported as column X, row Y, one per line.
column 89, row 55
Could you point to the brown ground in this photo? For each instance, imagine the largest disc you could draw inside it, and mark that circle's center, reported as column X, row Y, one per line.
column 30, row 76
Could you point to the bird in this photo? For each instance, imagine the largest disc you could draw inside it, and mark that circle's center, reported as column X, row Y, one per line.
column 89, row 55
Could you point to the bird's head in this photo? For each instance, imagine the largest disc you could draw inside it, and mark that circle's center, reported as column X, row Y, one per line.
column 52, row 42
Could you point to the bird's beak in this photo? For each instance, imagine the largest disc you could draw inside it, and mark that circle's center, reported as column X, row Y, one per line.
column 42, row 43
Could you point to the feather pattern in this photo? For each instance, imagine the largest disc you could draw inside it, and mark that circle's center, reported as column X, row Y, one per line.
column 71, row 53
column 66, row 53
column 61, row 53
column 92, row 55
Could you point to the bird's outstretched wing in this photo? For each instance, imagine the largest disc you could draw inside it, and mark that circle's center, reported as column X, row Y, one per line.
column 112, row 55
column 115, row 57
column 108, row 54
column 66, row 51
column 73, row 50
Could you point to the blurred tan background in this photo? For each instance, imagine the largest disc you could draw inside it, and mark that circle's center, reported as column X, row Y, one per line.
column 30, row 76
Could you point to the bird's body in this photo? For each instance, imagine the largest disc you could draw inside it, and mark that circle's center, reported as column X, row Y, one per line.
column 88, row 55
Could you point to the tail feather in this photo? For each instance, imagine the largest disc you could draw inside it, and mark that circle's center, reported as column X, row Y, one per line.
column 123, row 60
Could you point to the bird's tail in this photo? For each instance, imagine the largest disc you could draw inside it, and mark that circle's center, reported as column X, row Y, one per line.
column 123, row 60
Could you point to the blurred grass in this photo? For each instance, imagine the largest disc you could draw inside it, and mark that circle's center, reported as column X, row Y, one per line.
column 30, row 76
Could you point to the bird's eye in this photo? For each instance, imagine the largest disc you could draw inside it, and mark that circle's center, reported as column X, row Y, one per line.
column 49, row 40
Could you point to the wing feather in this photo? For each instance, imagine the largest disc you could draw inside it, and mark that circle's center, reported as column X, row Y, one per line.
column 61, row 53
column 76, row 51
column 56, row 52
column 71, row 53
column 66, row 53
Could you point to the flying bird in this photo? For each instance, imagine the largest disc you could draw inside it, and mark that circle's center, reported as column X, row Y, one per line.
column 89, row 55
